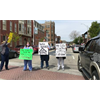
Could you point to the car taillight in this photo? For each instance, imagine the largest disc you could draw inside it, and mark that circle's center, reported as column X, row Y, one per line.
column 74, row 48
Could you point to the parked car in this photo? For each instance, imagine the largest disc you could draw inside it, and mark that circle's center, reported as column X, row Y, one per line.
column 12, row 54
column 75, row 48
column 35, row 49
column 18, row 47
column 89, row 59
column 52, row 47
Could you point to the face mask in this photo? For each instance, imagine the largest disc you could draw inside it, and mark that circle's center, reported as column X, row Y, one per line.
column 27, row 44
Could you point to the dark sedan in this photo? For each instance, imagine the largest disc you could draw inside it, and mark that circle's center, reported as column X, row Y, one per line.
column 12, row 54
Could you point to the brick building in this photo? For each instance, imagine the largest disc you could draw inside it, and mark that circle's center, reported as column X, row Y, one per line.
column 22, row 27
column 39, row 33
column 49, row 27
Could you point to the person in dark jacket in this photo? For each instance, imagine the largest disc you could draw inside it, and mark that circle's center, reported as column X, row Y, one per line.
column 4, row 54
column 45, row 58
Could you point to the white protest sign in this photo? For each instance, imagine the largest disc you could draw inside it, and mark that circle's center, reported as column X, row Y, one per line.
column 43, row 48
column 61, row 50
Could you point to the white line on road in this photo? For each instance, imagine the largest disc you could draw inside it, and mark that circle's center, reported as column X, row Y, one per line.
column 73, row 57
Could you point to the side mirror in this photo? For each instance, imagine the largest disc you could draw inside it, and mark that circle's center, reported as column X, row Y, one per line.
column 81, row 48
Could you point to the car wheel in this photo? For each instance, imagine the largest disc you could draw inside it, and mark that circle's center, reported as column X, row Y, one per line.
column 15, row 55
column 79, row 65
column 95, row 75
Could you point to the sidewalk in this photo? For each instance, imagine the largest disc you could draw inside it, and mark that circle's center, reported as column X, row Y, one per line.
column 16, row 73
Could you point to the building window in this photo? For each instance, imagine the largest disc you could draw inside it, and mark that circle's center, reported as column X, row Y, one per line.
column 22, row 28
column 29, row 40
column 28, row 30
column 10, row 26
column 48, row 39
column 28, row 21
column 15, row 27
column 19, row 27
column 48, row 26
column 4, row 24
column 51, row 39
column 20, row 41
column 4, row 38
column 47, row 31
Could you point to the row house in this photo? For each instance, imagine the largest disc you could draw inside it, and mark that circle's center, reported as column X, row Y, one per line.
column 22, row 27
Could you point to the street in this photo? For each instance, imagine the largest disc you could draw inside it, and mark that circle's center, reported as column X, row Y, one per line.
column 70, row 73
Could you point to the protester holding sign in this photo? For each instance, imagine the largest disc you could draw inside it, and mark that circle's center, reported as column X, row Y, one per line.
column 4, row 54
column 44, row 56
column 60, row 55
column 29, row 62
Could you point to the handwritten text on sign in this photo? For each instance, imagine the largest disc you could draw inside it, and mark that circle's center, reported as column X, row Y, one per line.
column 26, row 54
column 43, row 48
column 61, row 50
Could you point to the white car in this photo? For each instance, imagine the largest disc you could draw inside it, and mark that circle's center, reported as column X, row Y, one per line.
column 76, row 48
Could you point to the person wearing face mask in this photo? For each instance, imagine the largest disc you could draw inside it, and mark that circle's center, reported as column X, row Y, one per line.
column 45, row 58
column 29, row 62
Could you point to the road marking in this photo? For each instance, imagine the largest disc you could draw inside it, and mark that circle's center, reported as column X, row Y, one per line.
column 73, row 57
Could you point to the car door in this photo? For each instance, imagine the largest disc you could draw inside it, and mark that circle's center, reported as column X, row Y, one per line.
column 88, row 54
column 83, row 53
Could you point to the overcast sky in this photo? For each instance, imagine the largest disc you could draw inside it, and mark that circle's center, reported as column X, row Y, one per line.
column 64, row 27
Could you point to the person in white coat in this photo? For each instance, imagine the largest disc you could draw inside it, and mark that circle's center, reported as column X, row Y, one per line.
column 60, row 61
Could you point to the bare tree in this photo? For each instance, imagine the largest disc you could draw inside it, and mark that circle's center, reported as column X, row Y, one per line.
column 74, row 34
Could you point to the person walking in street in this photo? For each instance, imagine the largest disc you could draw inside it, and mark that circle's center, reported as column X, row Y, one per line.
column 29, row 62
column 4, row 54
column 45, row 58
column 60, row 61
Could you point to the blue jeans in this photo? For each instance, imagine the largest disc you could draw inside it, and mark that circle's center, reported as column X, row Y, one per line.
column 4, row 58
column 29, row 62
column 42, row 64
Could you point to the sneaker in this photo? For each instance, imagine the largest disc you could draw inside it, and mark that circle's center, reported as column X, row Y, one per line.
column 47, row 68
column 58, row 69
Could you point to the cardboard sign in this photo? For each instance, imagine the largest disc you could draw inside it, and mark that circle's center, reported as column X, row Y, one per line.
column 43, row 48
column 61, row 50
column 26, row 54
column 10, row 37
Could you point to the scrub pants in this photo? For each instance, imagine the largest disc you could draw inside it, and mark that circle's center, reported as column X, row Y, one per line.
column 29, row 62
column 60, row 62
column 4, row 58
